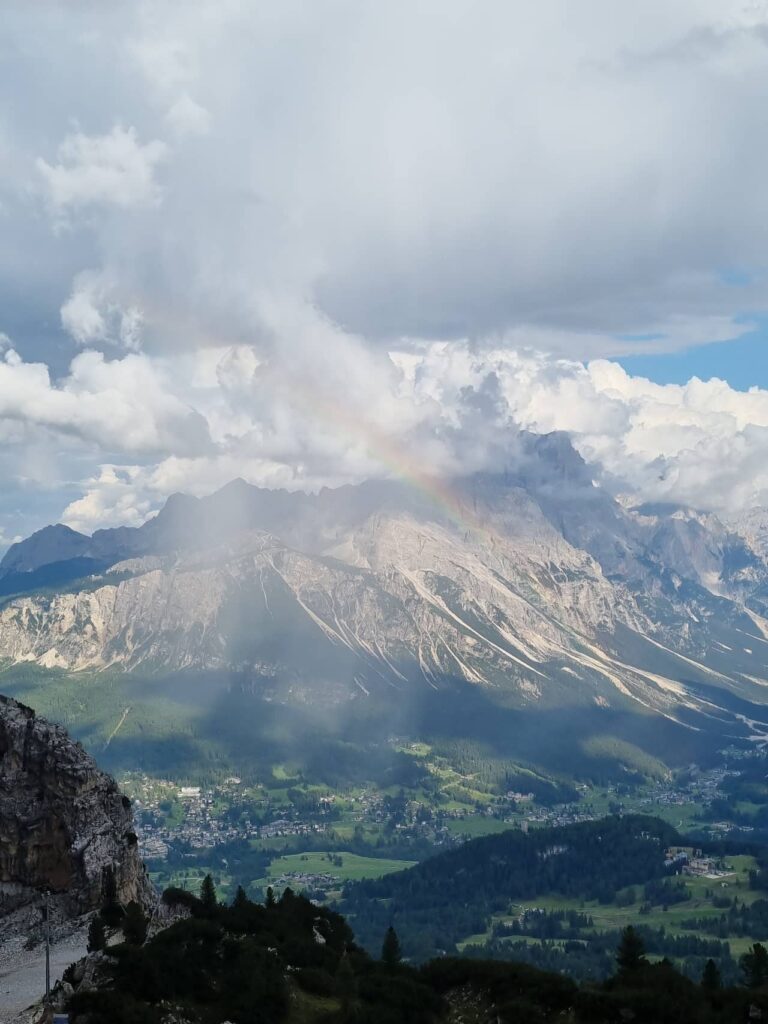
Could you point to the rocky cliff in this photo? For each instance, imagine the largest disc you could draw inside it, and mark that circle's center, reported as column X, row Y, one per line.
column 64, row 825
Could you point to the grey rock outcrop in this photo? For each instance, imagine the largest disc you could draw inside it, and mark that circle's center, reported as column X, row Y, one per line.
column 64, row 826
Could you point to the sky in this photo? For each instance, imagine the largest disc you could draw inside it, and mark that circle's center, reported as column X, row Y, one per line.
column 306, row 242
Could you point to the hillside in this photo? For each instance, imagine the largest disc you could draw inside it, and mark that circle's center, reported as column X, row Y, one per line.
column 290, row 962
column 558, row 898
column 447, row 898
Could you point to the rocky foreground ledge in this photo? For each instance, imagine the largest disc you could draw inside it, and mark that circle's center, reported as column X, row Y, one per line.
column 64, row 829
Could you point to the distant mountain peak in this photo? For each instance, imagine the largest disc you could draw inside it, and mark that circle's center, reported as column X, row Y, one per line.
column 50, row 544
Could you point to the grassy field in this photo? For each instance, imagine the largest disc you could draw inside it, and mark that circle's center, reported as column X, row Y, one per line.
column 610, row 917
column 191, row 880
column 683, row 817
column 352, row 868
column 477, row 825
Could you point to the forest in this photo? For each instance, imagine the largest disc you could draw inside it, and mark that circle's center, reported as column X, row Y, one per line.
column 451, row 896
column 288, row 961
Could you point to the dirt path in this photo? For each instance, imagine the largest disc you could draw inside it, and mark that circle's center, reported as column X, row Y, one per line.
column 22, row 973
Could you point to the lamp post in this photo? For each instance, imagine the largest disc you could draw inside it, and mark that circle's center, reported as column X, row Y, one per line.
column 47, row 934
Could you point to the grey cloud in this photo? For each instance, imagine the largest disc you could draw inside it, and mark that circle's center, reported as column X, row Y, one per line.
column 478, row 173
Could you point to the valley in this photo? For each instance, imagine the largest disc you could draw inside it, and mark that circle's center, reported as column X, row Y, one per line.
column 315, row 840
column 329, row 693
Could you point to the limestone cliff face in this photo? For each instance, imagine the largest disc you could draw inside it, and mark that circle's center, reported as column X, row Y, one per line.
column 63, row 823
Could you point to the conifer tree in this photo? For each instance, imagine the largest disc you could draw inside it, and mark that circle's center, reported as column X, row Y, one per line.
column 631, row 952
column 241, row 899
column 270, row 901
column 754, row 966
column 390, row 949
column 711, row 979
column 208, row 894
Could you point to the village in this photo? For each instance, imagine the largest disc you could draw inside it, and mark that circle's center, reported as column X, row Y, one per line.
column 194, row 818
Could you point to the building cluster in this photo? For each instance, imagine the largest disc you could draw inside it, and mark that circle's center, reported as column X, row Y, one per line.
column 201, row 817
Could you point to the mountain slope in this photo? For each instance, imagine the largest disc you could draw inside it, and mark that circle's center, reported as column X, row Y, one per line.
column 534, row 588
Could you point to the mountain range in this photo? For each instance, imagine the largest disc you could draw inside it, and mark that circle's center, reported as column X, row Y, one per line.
column 532, row 591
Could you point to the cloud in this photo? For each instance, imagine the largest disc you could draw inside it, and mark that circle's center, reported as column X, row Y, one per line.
column 110, row 499
column 186, row 117
column 237, row 212
column 568, row 184
column 112, row 169
column 119, row 405
column 90, row 315
column 454, row 408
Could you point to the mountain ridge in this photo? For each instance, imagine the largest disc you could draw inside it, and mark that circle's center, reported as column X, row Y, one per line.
column 533, row 585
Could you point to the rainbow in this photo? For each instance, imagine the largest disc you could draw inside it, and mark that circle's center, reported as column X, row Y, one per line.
column 380, row 445
column 401, row 464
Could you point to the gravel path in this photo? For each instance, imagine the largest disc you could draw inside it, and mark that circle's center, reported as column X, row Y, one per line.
column 22, row 973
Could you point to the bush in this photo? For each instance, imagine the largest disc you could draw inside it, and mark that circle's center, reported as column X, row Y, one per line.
column 176, row 897
column 316, row 981
column 135, row 924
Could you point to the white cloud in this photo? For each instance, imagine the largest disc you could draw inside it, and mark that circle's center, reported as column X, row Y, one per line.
column 110, row 499
column 702, row 444
column 80, row 314
column 119, row 405
column 166, row 62
column 585, row 185
column 113, row 169
column 450, row 407
column 186, row 117
column 90, row 314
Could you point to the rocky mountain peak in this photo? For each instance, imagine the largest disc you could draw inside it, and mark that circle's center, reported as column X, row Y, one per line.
column 52, row 543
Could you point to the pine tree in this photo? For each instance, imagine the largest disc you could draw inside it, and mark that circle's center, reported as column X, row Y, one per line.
column 390, row 949
column 711, row 979
column 97, row 938
column 754, row 966
column 631, row 952
column 208, row 894
column 135, row 924
column 241, row 899
column 270, row 901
